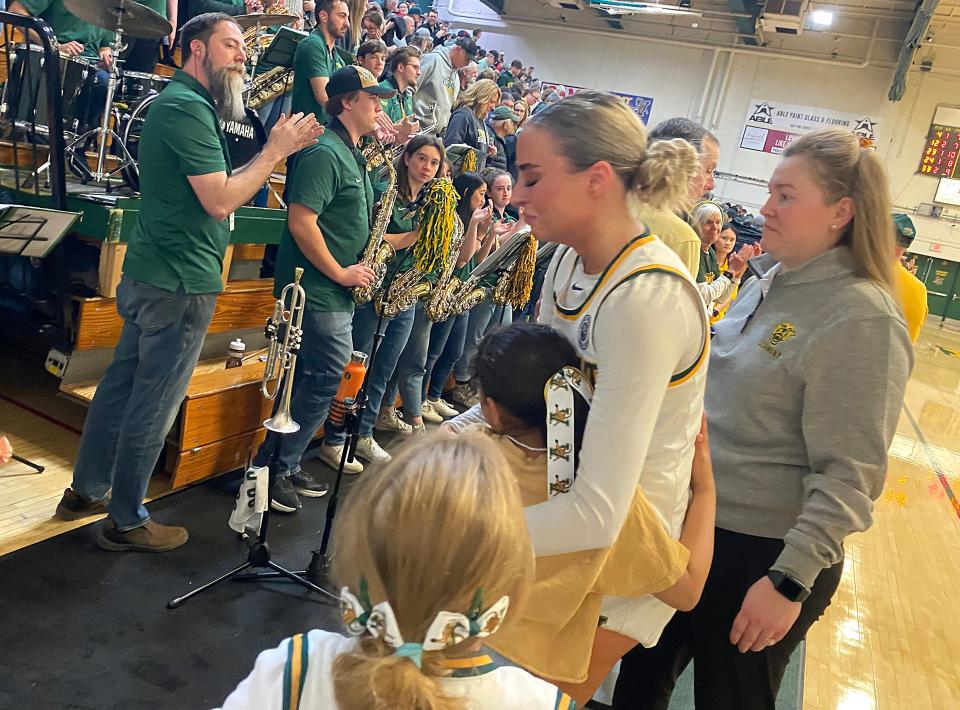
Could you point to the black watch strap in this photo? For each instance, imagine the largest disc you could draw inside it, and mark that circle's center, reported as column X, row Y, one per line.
column 787, row 586
column 729, row 275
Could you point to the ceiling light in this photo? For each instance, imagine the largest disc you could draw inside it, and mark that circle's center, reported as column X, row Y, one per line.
column 821, row 18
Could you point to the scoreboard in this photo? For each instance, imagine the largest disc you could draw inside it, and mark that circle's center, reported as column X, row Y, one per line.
column 941, row 152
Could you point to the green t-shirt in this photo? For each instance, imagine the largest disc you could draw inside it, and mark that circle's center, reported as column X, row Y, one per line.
column 330, row 179
column 231, row 7
column 399, row 106
column 709, row 268
column 175, row 242
column 312, row 59
column 67, row 27
column 158, row 6
column 505, row 79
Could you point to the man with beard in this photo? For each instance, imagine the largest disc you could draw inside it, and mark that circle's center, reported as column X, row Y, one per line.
column 317, row 57
column 328, row 224
column 171, row 275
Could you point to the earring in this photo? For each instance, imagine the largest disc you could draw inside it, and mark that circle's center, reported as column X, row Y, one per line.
column 833, row 227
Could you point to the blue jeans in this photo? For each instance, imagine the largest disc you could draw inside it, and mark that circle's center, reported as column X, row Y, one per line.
column 444, row 352
column 407, row 378
column 327, row 344
column 139, row 396
column 396, row 332
column 483, row 319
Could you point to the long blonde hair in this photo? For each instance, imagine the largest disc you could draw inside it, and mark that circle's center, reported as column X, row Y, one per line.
column 440, row 522
column 657, row 175
column 842, row 168
column 478, row 96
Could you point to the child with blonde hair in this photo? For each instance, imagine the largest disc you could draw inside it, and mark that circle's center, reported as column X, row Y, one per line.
column 433, row 555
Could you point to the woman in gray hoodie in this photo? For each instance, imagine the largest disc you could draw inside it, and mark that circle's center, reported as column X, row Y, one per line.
column 806, row 381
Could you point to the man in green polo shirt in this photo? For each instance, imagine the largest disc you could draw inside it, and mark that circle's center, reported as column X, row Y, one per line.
column 317, row 58
column 328, row 225
column 171, row 275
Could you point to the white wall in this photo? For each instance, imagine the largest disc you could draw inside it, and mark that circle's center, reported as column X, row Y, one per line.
column 676, row 77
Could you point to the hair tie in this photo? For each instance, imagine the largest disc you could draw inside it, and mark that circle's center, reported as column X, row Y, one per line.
column 413, row 651
column 447, row 629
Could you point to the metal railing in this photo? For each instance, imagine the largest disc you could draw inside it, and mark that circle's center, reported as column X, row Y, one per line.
column 31, row 108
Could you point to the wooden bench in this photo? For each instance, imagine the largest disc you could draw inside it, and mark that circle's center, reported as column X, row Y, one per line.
column 243, row 304
column 220, row 425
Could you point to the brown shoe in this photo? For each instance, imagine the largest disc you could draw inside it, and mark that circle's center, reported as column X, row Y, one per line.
column 150, row 537
column 73, row 506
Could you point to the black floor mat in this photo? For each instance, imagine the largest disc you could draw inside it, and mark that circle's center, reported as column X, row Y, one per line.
column 83, row 628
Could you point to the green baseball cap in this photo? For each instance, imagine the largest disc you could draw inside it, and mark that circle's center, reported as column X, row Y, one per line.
column 904, row 230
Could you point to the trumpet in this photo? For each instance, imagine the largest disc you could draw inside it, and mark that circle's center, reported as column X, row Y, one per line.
column 284, row 332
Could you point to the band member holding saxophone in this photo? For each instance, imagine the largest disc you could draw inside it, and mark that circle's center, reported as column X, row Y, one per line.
column 328, row 224
column 419, row 164
column 171, row 275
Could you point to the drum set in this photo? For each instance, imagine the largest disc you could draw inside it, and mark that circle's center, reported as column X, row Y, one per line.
column 107, row 152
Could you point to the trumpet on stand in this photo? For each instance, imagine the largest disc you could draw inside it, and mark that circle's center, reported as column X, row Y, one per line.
column 284, row 332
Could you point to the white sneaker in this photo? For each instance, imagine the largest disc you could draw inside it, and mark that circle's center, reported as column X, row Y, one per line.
column 331, row 454
column 443, row 409
column 429, row 414
column 389, row 420
column 370, row 450
column 465, row 395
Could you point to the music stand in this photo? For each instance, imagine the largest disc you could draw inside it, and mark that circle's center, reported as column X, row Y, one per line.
column 283, row 47
column 33, row 231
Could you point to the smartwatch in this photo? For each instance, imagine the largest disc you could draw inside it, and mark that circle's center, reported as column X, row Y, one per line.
column 787, row 586
column 729, row 275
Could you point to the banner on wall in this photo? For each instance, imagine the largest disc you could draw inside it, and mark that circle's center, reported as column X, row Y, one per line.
column 771, row 125
column 641, row 105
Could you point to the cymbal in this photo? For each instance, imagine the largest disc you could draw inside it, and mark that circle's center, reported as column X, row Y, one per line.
column 136, row 20
column 264, row 20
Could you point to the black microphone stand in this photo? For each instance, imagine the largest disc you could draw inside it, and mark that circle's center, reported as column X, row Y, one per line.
column 258, row 555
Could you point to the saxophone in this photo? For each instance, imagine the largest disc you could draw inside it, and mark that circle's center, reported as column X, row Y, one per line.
column 379, row 251
column 268, row 86
column 276, row 81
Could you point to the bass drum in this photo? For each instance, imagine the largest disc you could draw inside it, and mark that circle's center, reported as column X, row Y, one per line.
column 244, row 139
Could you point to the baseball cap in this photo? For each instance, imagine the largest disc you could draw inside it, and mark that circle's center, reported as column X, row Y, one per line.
column 422, row 32
column 904, row 230
column 354, row 78
column 501, row 113
column 415, row 10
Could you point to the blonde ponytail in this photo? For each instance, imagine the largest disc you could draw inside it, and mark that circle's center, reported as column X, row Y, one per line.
column 842, row 168
column 591, row 126
column 441, row 522
column 371, row 678
column 664, row 173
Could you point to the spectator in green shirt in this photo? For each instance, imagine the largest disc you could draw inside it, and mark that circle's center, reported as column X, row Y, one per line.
column 508, row 76
column 171, row 275
column 330, row 199
column 317, row 58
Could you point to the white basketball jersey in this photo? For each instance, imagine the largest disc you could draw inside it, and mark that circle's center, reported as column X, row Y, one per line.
column 571, row 302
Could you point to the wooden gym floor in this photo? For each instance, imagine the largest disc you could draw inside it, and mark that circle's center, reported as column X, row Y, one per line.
column 890, row 640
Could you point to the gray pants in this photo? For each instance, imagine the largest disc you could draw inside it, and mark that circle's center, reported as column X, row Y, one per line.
column 139, row 396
